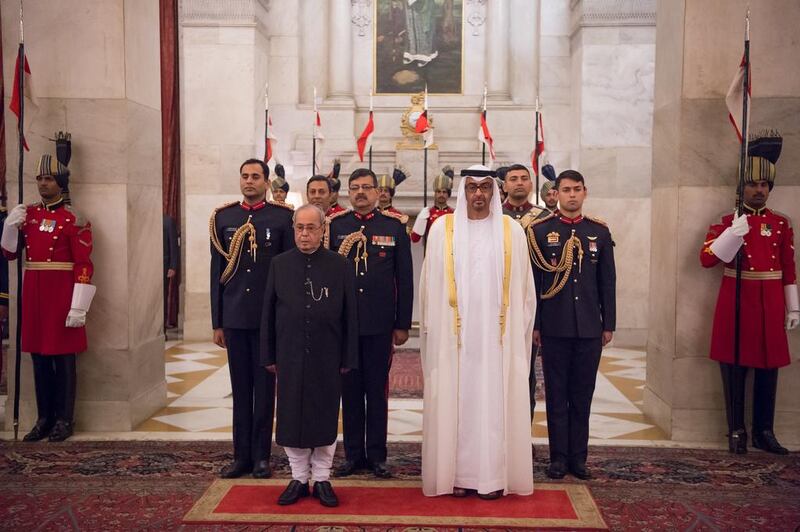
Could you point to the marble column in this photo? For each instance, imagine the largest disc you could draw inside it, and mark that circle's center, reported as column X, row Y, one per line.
column 497, row 50
column 314, row 63
column 224, row 63
column 695, row 157
column 340, row 52
column 98, row 78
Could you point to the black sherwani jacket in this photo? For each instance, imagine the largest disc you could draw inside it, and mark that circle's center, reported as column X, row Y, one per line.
column 309, row 330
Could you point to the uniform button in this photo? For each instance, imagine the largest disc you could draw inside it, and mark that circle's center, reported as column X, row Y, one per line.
column 68, row 219
column 574, row 280
column 751, row 268
column 38, row 208
column 576, row 298
column 308, row 306
column 246, row 289
column 745, row 243
column 308, row 265
column 749, row 256
column 248, row 270
column 361, row 273
column 55, row 237
column 51, row 249
column 361, row 290
column 770, row 269
column 48, row 260
column 773, row 256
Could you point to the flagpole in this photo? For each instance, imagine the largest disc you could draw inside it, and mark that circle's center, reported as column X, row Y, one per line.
column 740, row 209
column 483, row 144
column 314, row 138
column 425, row 160
column 370, row 115
column 20, row 136
column 536, row 150
column 266, row 123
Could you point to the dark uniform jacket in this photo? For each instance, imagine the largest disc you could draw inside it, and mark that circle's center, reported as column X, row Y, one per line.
column 385, row 285
column 586, row 306
column 238, row 304
column 309, row 329
column 517, row 213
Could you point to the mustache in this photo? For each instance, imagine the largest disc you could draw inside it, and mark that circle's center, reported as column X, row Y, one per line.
column 361, row 196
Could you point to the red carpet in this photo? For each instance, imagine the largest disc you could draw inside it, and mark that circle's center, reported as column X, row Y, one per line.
column 396, row 503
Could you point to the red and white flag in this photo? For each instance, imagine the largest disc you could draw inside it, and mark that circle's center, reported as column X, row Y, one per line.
column 486, row 137
column 269, row 140
column 423, row 127
column 735, row 97
column 538, row 147
column 365, row 140
column 318, row 127
column 14, row 106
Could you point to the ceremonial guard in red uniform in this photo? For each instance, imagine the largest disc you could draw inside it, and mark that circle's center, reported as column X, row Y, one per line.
column 442, row 189
column 386, row 189
column 768, row 303
column 56, row 295
column 245, row 236
column 333, row 178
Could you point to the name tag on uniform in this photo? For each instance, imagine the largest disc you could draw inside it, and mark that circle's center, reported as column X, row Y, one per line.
column 379, row 240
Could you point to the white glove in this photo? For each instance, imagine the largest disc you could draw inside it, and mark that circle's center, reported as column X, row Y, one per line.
column 739, row 226
column 421, row 222
column 792, row 306
column 16, row 216
column 82, row 295
column 726, row 245
column 11, row 226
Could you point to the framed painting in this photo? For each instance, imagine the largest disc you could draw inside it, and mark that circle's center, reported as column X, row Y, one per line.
column 418, row 42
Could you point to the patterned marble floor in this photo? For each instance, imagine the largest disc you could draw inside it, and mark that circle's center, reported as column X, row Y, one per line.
column 200, row 403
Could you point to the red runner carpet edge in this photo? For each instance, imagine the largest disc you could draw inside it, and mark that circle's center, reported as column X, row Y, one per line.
column 396, row 503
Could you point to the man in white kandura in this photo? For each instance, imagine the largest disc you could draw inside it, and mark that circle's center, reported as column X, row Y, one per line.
column 477, row 309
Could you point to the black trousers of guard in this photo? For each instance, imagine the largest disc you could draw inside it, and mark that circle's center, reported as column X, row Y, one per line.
column 365, row 400
column 570, row 371
column 765, row 387
column 253, row 397
column 55, row 380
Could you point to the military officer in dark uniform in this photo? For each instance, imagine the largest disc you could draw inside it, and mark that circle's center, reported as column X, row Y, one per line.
column 244, row 237
column 379, row 249
column 575, row 317
column 518, row 187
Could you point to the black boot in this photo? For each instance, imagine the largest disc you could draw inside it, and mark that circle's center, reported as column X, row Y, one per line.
column 44, row 385
column 733, row 380
column 39, row 431
column 765, row 387
column 66, row 387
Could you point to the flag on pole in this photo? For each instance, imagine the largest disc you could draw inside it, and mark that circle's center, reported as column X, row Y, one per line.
column 318, row 127
column 423, row 126
column 15, row 96
column 486, row 137
column 538, row 147
column 269, row 140
column 735, row 96
column 365, row 140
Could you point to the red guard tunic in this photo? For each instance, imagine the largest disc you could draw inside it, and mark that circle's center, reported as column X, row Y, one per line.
column 58, row 245
column 767, row 266
column 435, row 213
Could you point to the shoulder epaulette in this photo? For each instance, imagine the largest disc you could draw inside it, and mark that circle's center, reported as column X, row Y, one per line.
column 782, row 215
column 80, row 220
column 338, row 214
column 281, row 204
column 225, row 206
column 596, row 220
column 402, row 218
column 540, row 220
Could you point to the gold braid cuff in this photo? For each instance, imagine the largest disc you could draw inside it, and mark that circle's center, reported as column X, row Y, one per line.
column 358, row 239
column 232, row 257
column 563, row 269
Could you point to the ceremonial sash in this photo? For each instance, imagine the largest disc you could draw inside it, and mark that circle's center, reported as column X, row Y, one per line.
column 450, row 271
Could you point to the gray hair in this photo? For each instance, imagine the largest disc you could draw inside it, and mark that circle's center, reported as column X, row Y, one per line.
column 309, row 206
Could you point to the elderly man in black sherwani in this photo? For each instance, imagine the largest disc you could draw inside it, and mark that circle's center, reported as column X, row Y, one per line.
column 309, row 337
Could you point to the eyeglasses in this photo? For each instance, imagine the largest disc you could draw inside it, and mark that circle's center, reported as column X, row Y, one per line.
column 473, row 188
column 365, row 188
column 306, row 228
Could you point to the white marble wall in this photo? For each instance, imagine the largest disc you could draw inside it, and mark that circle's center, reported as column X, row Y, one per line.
column 695, row 158
column 93, row 64
column 613, row 56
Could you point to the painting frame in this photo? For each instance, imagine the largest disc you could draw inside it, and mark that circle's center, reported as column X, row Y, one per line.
column 401, row 68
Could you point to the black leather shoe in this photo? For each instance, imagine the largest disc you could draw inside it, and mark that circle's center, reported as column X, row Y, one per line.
column 580, row 471
column 39, row 431
column 324, row 492
column 293, row 492
column 61, row 430
column 494, row 495
column 737, row 442
column 380, row 470
column 235, row 469
column 350, row 467
column 766, row 441
column 262, row 469
column 556, row 470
